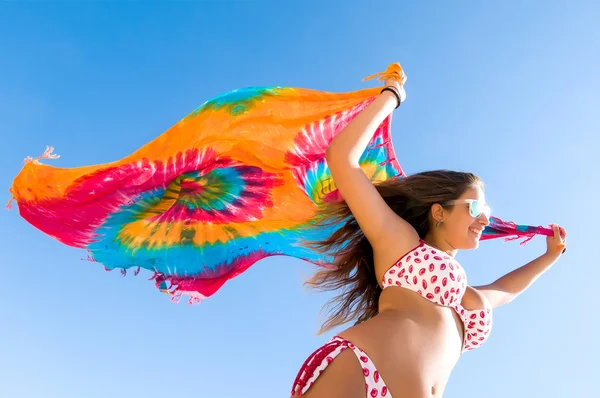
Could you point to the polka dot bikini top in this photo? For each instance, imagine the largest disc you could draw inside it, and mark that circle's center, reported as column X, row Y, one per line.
column 441, row 280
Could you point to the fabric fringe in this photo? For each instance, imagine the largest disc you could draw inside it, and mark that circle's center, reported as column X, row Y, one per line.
column 393, row 71
column 48, row 154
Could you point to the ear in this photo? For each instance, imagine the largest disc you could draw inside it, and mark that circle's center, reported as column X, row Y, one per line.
column 437, row 212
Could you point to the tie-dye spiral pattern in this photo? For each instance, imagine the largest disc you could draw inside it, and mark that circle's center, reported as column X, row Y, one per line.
column 231, row 183
column 237, row 180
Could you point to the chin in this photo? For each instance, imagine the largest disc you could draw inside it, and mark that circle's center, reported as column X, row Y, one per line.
column 471, row 243
column 472, row 240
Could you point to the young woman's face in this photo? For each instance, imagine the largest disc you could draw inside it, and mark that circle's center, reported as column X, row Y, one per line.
column 465, row 220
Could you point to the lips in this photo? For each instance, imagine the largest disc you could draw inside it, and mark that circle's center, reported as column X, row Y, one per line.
column 477, row 232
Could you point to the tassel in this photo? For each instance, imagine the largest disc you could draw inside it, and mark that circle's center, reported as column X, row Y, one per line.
column 12, row 197
column 46, row 155
column 394, row 71
column 176, row 297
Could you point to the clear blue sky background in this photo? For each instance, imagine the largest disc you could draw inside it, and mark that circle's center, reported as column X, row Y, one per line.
column 509, row 91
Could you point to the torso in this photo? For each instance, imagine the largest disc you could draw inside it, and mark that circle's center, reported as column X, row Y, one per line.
column 414, row 343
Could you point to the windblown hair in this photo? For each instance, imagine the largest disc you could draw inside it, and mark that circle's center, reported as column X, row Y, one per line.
column 353, row 269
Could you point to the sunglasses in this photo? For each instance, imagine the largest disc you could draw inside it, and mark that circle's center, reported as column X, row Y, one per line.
column 476, row 207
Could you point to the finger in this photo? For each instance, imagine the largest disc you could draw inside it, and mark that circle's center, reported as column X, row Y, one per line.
column 391, row 82
column 556, row 231
column 563, row 233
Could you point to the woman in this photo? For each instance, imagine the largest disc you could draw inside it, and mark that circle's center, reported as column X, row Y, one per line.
column 415, row 314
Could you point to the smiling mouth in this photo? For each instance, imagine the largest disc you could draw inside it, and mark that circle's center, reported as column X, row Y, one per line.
column 477, row 232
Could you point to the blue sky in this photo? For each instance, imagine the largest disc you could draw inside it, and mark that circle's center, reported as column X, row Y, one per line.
column 507, row 91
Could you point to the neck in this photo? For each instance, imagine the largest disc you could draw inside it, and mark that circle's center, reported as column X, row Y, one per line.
column 441, row 244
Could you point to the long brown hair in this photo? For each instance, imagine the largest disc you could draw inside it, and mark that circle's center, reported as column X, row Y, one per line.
column 353, row 269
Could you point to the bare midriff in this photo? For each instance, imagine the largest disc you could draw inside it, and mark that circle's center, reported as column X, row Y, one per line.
column 413, row 343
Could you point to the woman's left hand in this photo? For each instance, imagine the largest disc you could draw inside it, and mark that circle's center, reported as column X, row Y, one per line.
column 556, row 244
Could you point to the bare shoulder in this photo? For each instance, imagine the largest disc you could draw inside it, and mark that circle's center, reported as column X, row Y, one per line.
column 343, row 378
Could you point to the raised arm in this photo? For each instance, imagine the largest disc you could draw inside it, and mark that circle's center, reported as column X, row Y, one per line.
column 509, row 286
column 372, row 214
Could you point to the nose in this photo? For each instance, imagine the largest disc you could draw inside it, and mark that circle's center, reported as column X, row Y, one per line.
column 484, row 220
